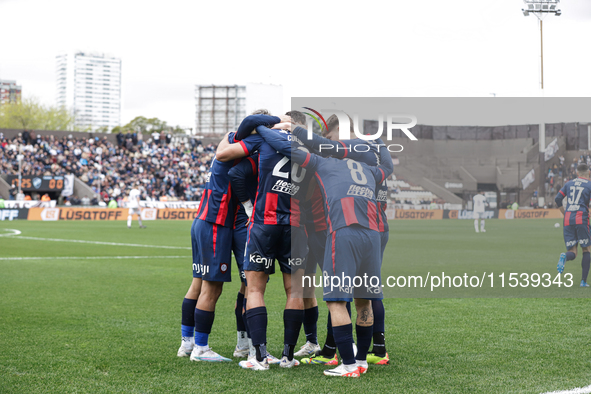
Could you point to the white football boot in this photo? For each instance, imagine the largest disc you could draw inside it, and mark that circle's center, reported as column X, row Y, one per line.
column 207, row 355
column 186, row 347
column 307, row 349
column 349, row 371
column 254, row 364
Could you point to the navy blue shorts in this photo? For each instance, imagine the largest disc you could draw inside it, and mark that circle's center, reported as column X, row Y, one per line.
column 576, row 234
column 239, row 236
column 352, row 265
column 316, row 246
column 299, row 248
column 384, row 236
column 211, row 252
column 265, row 244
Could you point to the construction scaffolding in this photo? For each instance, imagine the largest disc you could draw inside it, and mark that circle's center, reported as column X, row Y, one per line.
column 219, row 109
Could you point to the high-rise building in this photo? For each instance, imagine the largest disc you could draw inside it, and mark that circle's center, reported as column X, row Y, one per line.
column 220, row 109
column 89, row 84
column 10, row 92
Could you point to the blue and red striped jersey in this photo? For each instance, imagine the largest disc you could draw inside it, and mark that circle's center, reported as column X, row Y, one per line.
column 577, row 194
column 348, row 186
column 367, row 152
column 272, row 204
column 244, row 180
column 217, row 205
column 315, row 212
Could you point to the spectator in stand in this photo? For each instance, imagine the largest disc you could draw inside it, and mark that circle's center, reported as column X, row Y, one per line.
column 164, row 171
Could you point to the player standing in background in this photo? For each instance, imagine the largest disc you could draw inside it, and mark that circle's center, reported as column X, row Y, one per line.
column 577, row 194
column 478, row 209
column 134, row 205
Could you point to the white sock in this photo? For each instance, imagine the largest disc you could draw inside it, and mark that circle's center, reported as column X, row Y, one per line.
column 350, row 367
column 482, row 225
column 129, row 221
column 476, row 225
column 202, row 348
column 242, row 342
column 188, row 342
column 251, row 349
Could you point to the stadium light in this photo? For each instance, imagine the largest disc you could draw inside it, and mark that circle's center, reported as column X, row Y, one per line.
column 541, row 8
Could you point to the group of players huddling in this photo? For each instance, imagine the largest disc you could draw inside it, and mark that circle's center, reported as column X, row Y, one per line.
column 273, row 194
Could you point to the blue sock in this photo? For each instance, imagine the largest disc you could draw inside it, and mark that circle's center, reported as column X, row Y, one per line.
column 238, row 312
column 244, row 318
column 585, row 265
column 311, row 324
column 343, row 336
column 188, row 317
column 570, row 256
column 379, row 315
column 364, row 335
column 257, row 325
column 203, row 323
column 292, row 323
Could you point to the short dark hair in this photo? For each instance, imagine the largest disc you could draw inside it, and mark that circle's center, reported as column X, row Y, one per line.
column 297, row 117
column 582, row 168
column 333, row 121
column 261, row 111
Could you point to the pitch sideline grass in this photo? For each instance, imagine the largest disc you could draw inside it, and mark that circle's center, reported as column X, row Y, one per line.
column 112, row 325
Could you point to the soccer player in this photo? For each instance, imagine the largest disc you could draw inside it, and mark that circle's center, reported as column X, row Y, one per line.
column 366, row 152
column 244, row 182
column 577, row 194
column 348, row 188
column 212, row 233
column 134, row 205
column 269, row 238
column 478, row 209
column 213, row 239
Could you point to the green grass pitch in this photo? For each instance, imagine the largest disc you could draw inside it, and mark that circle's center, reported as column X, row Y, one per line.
column 110, row 325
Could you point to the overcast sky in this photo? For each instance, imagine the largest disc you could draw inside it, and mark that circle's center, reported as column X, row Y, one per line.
column 312, row 48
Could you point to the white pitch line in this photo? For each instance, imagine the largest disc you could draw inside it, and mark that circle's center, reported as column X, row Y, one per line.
column 14, row 232
column 102, row 243
column 94, row 258
column 580, row 390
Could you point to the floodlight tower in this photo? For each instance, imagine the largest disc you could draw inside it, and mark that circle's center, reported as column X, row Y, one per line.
column 541, row 8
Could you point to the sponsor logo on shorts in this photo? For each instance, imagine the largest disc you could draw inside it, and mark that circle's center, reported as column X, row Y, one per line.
column 200, row 268
column 295, row 261
column 258, row 259
column 571, row 243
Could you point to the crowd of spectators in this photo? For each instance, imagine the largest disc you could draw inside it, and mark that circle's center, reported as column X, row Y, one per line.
column 164, row 171
column 560, row 173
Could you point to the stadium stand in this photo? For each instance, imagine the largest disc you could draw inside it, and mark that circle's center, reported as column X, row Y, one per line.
column 166, row 171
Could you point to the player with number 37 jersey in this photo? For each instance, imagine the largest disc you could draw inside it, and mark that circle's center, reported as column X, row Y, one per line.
column 577, row 194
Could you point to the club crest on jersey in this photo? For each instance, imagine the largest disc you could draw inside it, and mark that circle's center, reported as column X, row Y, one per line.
column 223, row 267
column 285, row 187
